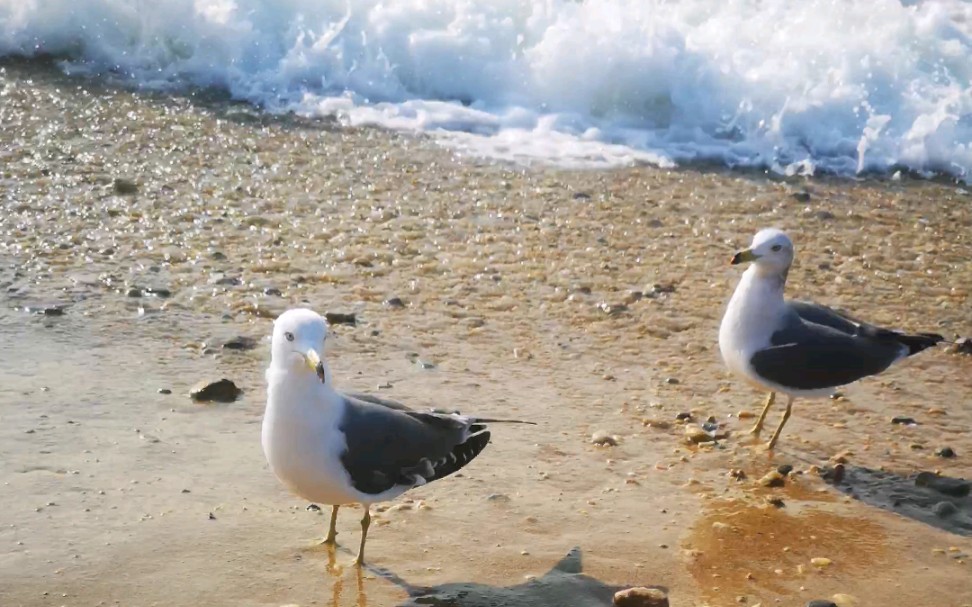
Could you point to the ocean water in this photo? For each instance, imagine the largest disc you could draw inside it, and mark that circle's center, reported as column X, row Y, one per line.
column 836, row 86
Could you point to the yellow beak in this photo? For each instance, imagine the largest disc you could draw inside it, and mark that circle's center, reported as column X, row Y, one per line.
column 743, row 257
column 315, row 364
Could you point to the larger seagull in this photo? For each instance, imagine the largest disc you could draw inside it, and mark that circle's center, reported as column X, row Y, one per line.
column 799, row 348
column 336, row 448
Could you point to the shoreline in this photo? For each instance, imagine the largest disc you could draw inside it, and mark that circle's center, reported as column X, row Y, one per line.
column 519, row 286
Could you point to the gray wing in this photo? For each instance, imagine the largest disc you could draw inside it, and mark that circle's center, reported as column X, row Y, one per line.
column 388, row 446
column 811, row 356
column 822, row 315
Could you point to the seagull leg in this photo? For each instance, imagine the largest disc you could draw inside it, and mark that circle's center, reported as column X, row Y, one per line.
column 331, row 538
column 762, row 416
column 786, row 416
column 365, row 523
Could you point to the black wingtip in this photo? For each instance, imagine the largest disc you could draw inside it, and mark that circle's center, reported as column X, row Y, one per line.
column 920, row 341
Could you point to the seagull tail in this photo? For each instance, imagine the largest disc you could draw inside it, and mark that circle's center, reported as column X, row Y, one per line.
column 919, row 341
column 488, row 420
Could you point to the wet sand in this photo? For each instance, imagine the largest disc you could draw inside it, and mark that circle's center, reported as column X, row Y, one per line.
column 521, row 288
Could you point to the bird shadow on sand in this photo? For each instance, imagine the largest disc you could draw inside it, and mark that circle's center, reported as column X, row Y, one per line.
column 564, row 584
column 939, row 501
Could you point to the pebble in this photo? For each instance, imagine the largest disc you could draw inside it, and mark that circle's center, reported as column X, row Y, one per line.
column 341, row 318
column 901, row 420
column 801, row 196
column 241, row 343
column 222, row 391
column 785, row 469
column 944, row 509
column 640, row 597
column 612, row 309
column 604, row 439
column 673, row 381
column 165, row 391
column 945, row 452
column 683, row 416
column 394, row 302
column 745, row 415
column 773, row 479
column 274, row 292
column 695, row 434
column 821, row 603
column 820, row 562
column 776, row 502
column 124, row 187
column 737, row 474
column 313, row 508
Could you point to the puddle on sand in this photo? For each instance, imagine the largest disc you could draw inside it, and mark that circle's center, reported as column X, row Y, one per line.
column 939, row 501
column 738, row 549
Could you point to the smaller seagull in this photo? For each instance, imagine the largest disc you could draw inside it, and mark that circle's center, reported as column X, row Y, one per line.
column 799, row 348
column 335, row 448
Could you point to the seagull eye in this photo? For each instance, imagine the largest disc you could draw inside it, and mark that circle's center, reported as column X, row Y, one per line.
column 777, row 247
column 289, row 336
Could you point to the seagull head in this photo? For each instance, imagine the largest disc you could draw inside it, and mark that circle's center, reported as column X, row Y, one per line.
column 298, row 343
column 771, row 251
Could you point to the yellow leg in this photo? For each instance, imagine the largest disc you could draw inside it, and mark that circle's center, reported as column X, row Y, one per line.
column 332, row 528
column 762, row 416
column 786, row 416
column 365, row 523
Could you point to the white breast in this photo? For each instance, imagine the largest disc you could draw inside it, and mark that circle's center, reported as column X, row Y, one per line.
column 752, row 316
column 301, row 439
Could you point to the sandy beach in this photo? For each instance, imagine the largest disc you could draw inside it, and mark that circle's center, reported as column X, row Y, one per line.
column 142, row 232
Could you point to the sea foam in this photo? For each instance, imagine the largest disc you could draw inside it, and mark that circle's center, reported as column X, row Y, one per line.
column 839, row 86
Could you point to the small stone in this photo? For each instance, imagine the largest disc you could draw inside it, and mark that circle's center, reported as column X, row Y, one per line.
column 944, row 509
column 134, row 292
column 394, row 302
column 901, row 420
column 275, row 292
column 695, row 434
column 240, row 343
column 801, row 196
column 683, row 416
column 945, row 452
column 737, row 474
column 773, row 479
column 212, row 516
column 165, row 391
column 820, row 562
column 776, row 502
column 963, row 345
column 223, row 391
column 497, row 497
column 341, row 318
column 612, row 309
column 158, row 292
column 837, row 396
column 640, row 597
column 673, row 381
column 821, row 603
column 824, row 215
column 186, row 491
column 785, row 469
column 124, row 187
column 745, row 415
column 313, row 508
column 604, row 439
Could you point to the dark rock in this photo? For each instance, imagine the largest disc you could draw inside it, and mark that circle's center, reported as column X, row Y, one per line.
column 683, row 416
column 165, row 391
column 943, row 509
column 641, row 597
column 801, row 196
column 227, row 281
column 901, row 420
column 582, row 196
column 821, row 603
column 222, row 391
column 836, row 396
column 340, row 318
column 785, row 469
column 497, row 497
column 212, row 516
column 124, row 187
column 710, row 427
column 274, row 291
column 158, row 292
column 773, row 479
column 945, row 452
column 963, row 345
column 46, row 310
column 241, row 343
column 956, row 487
column 659, row 289
column 313, row 508
column 394, row 302
column 737, row 474
column 673, row 381
column 824, row 215
column 776, row 502
column 134, row 292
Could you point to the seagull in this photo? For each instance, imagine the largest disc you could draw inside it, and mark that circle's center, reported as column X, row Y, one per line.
column 799, row 348
column 335, row 448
